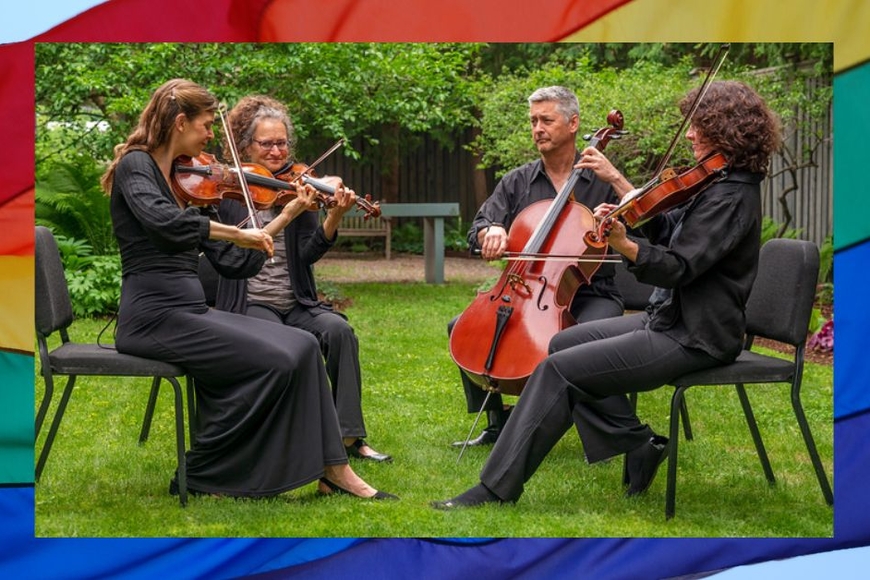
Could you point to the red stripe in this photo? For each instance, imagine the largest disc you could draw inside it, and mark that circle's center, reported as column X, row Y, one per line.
column 442, row 20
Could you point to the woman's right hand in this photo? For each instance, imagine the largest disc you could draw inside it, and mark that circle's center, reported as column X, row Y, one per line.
column 255, row 239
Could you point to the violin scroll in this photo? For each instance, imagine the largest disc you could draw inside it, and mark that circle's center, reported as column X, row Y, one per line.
column 301, row 173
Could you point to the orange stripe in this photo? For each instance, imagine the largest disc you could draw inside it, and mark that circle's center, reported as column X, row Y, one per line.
column 16, row 226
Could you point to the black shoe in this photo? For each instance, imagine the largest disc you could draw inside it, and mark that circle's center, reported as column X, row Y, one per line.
column 353, row 450
column 340, row 490
column 474, row 497
column 487, row 437
column 643, row 463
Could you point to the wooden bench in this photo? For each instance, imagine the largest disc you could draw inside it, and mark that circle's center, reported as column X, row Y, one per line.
column 355, row 224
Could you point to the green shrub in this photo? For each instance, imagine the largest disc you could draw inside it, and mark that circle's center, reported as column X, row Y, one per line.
column 456, row 235
column 96, row 290
column 408, row 238
column 825, row 291
column 770, row 229
column 94, row 281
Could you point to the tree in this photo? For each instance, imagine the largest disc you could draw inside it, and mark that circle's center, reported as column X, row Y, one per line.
column 384, row 94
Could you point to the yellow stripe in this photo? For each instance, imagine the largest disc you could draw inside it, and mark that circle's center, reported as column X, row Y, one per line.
column 844, row 22
column 16, row 307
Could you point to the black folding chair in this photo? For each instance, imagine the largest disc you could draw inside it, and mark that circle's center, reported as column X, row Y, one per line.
column 779, row 309
column 54, row 314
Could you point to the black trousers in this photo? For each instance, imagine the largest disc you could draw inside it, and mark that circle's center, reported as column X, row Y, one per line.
column 584, row 381
column 585, row 308
column 340, row 348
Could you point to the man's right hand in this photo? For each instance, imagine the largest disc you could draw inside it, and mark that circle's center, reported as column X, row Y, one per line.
column 493, row 242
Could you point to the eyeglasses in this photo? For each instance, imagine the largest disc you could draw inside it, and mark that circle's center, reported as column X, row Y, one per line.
column 281, row 144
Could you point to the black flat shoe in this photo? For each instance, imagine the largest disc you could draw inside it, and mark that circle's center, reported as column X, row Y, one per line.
column 340, row 490
column 353, row 450
column 476, row 496
column 487, row 437
column 643, row 463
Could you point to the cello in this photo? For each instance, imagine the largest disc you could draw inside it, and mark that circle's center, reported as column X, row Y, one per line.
column 504, row 334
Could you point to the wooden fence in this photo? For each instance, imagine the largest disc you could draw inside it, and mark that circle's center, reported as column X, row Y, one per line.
column 432, row 173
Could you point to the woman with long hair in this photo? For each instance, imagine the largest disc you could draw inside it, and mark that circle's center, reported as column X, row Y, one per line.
column 265, row 420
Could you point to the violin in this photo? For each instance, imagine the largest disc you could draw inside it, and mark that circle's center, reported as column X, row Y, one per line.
column 201, row 180
column 667, row 189
column 299, row 172
column 674, row 189
column 505, row 333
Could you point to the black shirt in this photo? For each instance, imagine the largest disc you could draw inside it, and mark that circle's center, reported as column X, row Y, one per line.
column 710, row 265
column 528, row 184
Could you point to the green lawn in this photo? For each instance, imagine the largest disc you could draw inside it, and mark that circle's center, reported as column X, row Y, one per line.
column 100, row 482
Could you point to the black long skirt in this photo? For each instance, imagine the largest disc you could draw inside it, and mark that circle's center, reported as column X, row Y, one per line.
column 266, row 421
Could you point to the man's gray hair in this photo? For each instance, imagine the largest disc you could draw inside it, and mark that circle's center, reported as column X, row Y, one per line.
column 565, row 99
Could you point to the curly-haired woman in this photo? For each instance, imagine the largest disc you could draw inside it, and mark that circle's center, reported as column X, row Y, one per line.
column 284, row 290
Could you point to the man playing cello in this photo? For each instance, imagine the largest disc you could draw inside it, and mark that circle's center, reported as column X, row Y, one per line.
column 554, row 116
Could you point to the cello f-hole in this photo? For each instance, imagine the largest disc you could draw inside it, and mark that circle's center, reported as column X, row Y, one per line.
column 543, row 281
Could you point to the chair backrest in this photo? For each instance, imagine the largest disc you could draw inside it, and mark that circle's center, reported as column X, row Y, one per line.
column 635, row 294
column 53, row 306
column 781, row 302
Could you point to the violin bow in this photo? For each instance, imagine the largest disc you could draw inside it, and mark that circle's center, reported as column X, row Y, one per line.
column 246, row 193
column 711, row 74
column 317, row 161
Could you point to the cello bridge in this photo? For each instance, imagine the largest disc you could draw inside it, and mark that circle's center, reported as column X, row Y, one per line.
column 516, row 280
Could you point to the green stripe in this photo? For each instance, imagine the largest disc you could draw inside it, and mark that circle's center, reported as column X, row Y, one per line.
column 851, row 133
column 16, row 418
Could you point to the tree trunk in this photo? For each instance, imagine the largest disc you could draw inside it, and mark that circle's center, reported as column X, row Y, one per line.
column 390, row 163
column 481, row 188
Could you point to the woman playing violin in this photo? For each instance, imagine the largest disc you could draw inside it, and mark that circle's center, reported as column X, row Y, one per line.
column 266, row 423
column 284, row 290
column 703, row 256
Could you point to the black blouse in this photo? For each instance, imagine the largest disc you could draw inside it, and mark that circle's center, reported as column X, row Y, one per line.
column 710, row 265
column 155, row 235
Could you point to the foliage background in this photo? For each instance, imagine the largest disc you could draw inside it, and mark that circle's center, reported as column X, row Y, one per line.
column 385, row 97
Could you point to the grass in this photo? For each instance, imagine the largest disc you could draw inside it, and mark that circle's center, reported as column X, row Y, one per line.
column 100, row 482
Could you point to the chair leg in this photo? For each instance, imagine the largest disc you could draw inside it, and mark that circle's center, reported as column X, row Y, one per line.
column 149, row 410
column 181, row 473
column 55, row 425
column 687, row 426
column 191, row 407
column 677, row 401
column 756, row 434
column 43, row 406
column 687, row 429
column 808, row 439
